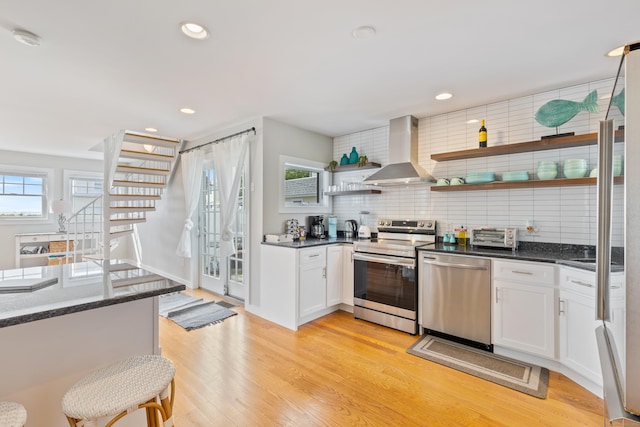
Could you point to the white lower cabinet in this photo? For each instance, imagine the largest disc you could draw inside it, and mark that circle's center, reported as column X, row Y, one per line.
column 299, row 285
column 347, row 274
column 312, row 280
column 523, row 300
column 578, row 346
column 334, row 274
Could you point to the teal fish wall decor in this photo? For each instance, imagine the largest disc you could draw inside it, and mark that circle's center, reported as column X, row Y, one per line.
column 559, row 111
column 618, row 101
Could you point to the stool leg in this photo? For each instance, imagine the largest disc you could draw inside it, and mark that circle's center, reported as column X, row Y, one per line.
column 152, row 418
column 167, row 402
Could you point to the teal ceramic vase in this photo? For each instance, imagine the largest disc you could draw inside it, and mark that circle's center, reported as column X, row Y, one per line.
column 353, row 157
column 344, row 160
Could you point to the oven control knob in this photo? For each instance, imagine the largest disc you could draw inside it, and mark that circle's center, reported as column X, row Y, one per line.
column 381, row 222
column 421, row 224
column 429, row 225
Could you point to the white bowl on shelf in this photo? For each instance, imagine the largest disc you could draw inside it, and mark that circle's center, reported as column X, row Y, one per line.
column 575, row 172
column 547, row 174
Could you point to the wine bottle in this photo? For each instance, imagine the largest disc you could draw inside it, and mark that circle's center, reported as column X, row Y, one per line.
column 482, row 136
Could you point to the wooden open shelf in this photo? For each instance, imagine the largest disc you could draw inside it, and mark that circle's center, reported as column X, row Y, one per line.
column 537, row 183
column 348, row 168
column 525, row 147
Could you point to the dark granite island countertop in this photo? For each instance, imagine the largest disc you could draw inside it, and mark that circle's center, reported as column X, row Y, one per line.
column 76, row 287
column 53, row 336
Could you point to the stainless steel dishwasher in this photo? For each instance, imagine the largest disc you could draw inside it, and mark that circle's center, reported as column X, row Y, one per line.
column 454, row 295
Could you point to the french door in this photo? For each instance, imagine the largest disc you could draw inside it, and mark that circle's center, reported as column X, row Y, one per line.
column 221, row 267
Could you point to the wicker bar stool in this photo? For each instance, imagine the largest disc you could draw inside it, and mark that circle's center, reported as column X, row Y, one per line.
column 12, row 414
column 121, row 388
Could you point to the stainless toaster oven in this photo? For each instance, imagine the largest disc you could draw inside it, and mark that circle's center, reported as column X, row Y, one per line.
column 495, row 237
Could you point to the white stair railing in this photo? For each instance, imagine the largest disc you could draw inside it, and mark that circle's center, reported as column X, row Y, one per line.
column 84, row 232
column 137, row 167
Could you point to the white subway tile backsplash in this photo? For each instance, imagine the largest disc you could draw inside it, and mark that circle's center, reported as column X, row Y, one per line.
column 559, row 214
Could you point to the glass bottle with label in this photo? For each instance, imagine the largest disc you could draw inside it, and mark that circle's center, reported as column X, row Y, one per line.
column 482, row 136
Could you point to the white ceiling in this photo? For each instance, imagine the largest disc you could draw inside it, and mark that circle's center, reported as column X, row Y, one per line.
column 123, row 64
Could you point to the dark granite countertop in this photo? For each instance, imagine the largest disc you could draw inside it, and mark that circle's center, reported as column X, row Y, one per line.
column 310, row 242
column 79, row 287
column 570, row 255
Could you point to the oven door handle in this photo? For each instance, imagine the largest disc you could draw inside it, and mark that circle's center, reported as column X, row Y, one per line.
column 446, row 264
column 405, row 262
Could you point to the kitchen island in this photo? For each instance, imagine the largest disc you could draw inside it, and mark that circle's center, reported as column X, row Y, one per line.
column 81, row 318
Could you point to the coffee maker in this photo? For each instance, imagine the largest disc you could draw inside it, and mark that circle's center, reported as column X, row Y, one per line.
column 315, row 226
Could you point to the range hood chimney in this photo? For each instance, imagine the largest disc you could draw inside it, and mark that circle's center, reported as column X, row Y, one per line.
column 403, row 167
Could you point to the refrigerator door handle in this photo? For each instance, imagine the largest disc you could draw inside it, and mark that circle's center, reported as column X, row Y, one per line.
column 605, row 191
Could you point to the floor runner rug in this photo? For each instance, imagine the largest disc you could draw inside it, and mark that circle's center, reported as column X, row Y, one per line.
column 225, row 304
column 200, row 315
column 520, row 376
column 176, row 301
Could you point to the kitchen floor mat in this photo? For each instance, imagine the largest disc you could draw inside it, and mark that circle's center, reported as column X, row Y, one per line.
column 526, row 378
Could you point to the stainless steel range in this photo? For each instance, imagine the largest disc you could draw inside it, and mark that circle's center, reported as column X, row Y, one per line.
column 385, row 284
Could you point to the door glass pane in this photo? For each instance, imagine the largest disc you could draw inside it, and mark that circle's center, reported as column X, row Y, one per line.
column 222, row 266
column 211, row 226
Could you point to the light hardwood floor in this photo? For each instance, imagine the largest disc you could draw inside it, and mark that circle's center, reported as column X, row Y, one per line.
column 337, row 371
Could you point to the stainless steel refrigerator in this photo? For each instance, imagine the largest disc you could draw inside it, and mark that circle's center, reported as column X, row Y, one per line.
column 618, row 242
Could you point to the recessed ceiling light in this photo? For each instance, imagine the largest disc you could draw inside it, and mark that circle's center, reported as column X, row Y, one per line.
column 618, row 51
column 187, row 111
column 193, row 30
column 26, row 37
column 442, row 96
column 151, row 129
column 472, row 121
column 364, row 32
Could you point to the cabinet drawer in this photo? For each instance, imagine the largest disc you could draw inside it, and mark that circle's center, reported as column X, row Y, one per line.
column 580, row 281
column 313, row 255
column 527, row 272
column 32, row 239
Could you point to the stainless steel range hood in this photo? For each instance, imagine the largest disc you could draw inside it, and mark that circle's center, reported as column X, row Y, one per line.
column 403, row 167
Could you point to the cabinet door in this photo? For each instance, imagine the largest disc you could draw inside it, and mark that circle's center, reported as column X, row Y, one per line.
column 313, row 288
column 334, row 275
column 578, row 346
column 524, row 317
column 347, row 274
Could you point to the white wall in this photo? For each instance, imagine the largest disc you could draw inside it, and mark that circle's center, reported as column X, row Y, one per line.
column 159, row 235
column 560, row 214
column 9, row 229
column 282, row 139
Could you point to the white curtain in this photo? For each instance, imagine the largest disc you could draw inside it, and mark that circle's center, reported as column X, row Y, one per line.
column 192, row 181
column 228, row 162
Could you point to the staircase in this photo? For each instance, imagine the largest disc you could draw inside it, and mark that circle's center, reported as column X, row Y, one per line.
column 137, row 168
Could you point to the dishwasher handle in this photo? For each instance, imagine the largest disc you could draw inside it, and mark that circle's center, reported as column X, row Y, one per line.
column 453, row 265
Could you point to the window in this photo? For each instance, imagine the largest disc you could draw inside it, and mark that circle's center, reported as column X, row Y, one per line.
column 84, row 190
column 302, row 186
column 23, row 195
